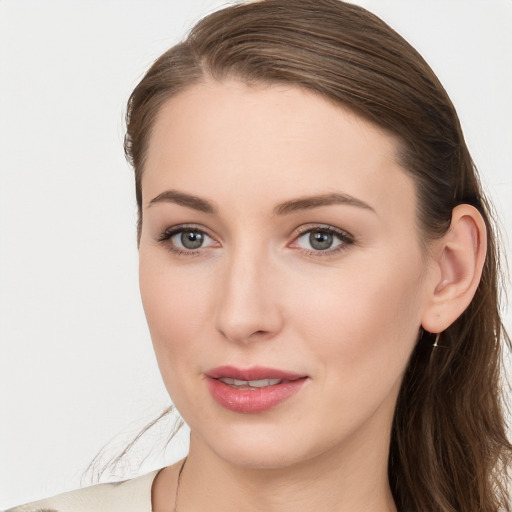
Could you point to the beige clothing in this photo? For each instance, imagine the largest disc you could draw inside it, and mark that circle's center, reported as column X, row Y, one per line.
column 128, row 496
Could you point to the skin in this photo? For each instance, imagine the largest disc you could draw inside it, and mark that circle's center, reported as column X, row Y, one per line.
column 257, row 293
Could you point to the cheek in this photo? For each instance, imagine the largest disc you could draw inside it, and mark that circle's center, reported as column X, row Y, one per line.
column 362, row 321
column 360, row 331
column 174, row 310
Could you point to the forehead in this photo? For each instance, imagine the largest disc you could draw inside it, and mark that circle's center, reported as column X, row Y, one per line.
column 273, row 141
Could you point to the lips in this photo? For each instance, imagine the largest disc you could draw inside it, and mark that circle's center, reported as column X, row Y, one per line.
column 253, row 390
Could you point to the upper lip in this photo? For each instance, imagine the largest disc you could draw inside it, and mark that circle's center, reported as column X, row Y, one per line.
column 253, row 373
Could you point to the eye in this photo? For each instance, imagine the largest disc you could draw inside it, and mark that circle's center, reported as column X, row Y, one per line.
column 182, row 239
column 323, row 239
column 189, row 239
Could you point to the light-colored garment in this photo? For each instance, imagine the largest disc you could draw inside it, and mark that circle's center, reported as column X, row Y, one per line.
column 128, row 496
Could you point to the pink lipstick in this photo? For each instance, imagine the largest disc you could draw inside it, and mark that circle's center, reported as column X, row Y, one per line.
column 252, row 390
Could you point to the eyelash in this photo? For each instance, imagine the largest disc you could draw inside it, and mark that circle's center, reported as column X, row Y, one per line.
column 165, row 239
column 345, row 238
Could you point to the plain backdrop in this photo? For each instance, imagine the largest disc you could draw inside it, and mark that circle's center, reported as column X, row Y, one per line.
column 76, row 364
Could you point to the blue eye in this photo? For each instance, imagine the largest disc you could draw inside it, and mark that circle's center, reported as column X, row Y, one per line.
column 323, row 239
column 189, row 239
column 181, row 239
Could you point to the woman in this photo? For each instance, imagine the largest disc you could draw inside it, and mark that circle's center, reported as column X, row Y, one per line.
column 318, row 271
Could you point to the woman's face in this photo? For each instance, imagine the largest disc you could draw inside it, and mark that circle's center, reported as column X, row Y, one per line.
column 279, row 248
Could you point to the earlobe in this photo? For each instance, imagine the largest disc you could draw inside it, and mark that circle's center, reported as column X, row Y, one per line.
column 458, row 262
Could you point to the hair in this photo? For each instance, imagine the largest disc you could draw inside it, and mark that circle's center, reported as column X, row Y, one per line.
column 449, row 450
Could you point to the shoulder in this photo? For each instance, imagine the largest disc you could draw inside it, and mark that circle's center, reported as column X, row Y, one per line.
column 129, row 496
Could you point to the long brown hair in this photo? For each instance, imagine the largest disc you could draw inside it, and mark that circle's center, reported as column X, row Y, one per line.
column 449, row 450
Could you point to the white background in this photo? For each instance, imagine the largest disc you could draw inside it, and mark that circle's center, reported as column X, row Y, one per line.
column 76, row 364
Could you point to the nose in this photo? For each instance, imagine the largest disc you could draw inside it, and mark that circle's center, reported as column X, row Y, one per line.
column 247, row 302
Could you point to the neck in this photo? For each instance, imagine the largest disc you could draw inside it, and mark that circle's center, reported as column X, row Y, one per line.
column 345, row 480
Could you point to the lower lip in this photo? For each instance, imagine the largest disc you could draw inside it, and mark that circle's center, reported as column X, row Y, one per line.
column 252, row 401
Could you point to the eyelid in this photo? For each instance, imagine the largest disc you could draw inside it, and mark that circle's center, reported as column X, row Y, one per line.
column 306, row 228
column 165, row 236
column 344, row 236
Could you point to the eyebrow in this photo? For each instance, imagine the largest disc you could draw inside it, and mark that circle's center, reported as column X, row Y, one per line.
column 310, row 202
column 188, row 200
column 302, row 203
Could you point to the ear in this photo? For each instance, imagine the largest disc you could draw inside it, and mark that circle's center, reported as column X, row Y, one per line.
column 458, row 259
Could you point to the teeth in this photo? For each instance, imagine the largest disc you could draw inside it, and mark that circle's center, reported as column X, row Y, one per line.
column 262, row 383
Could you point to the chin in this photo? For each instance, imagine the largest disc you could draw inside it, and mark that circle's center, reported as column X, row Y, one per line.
column 254, row 456
column 260, row 446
